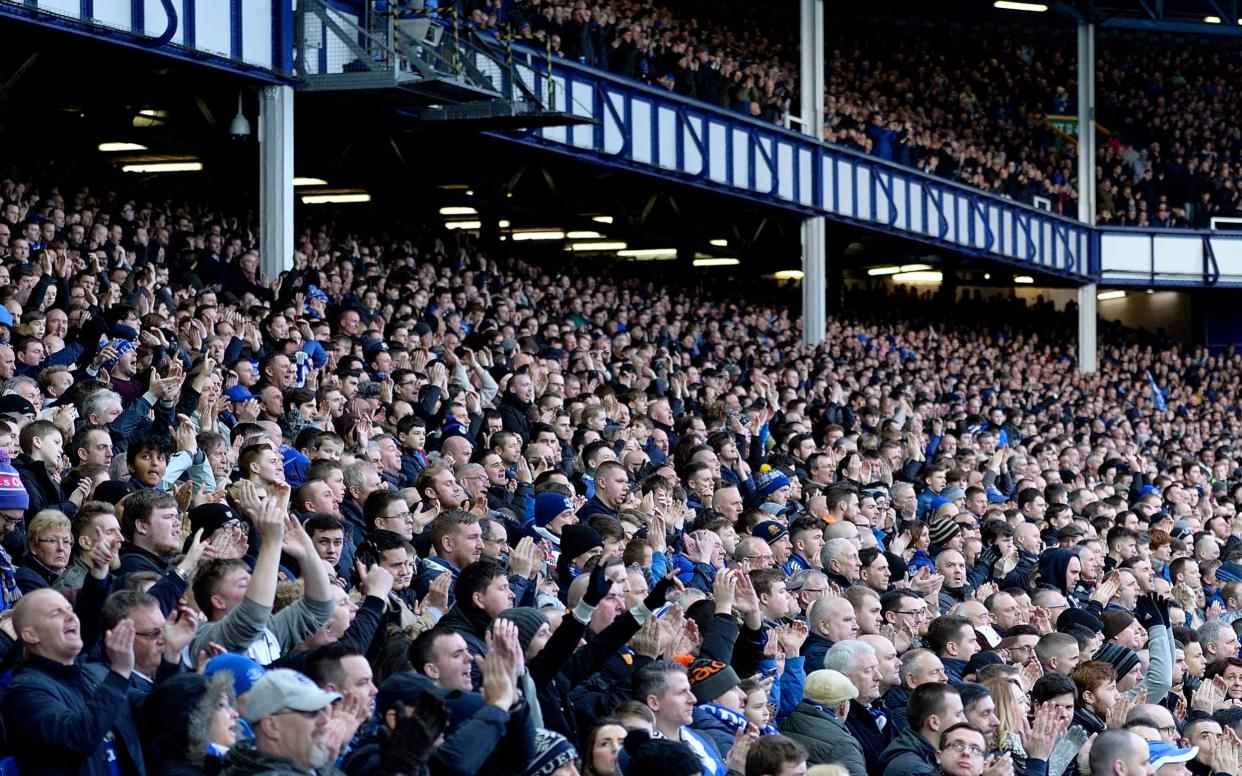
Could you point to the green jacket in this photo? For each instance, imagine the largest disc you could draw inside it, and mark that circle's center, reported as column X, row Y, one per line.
column 825, row 738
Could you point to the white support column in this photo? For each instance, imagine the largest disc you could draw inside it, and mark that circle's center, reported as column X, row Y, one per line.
column 814, row 281
column 814, row 229
column 275, row 180
column 1087, row 318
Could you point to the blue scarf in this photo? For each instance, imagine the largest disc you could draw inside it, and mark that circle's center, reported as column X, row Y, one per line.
column 734, row 719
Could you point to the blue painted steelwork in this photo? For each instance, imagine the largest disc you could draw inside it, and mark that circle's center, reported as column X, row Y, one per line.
column 135, row 37
column 655, row 132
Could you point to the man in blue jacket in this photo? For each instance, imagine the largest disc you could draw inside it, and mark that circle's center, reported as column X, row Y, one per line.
column 59, row 720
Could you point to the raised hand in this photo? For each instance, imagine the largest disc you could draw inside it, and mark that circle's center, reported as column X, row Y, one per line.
column 723, row 592
column 119, row 644
column 1039, row 742
column 522, row 558
column 374, row 580
column 1121, row 709
column 438, row 592
column 179, row 631
column 999, row 765
column 793, row 636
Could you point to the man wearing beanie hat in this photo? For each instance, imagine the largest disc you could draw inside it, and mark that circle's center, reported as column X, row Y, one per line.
column 818, row 721
column 772, row 485
column 553, row 512
column 717, row 700
column 14, row 500
column 1125, row 663
column 1121, row 628
column 533, row 633
column 944, row 535
column 579, row 543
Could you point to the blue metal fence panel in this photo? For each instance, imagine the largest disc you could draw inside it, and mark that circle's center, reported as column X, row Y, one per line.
column 207, row 33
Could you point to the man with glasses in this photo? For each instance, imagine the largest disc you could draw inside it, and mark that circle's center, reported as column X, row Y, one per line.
column 289, row 715
column 963, row 750
column 158, row 643
column 754, row 552
column 808, row 586
column 908, row 614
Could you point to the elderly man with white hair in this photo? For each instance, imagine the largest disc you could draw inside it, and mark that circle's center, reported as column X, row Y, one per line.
column 866, row 720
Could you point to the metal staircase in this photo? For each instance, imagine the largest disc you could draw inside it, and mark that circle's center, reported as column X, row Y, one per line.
column 425, row 62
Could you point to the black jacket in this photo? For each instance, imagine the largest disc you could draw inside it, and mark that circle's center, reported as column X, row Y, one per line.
column 57, row 717
column 515, row 416
column 45, row 493
column 870, row 736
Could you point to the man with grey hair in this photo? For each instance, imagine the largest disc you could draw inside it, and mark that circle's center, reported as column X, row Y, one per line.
column 856, row 659
column 1219, row 640
column 839, row 559
column 903, row 499
column 808, row 586
column 918, row 667
column 474, row 480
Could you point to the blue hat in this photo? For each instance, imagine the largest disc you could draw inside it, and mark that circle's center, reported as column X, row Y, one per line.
column 1229, row 572
column 548, row 506
column 239, row 393
column 1161, row 753
column 771, row 481
column 1149, row 490
column 6, row 317
column 769, row 531
column 122, row 346
column 314, row 292
column 244, row 670
column 996, row 497
column 13, row 494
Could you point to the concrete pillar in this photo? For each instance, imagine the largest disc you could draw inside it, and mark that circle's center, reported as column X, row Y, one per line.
column 275, row 180
column 1087, row 317
column 814, row 230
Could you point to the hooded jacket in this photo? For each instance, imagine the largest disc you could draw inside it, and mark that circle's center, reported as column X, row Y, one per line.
column 176, row 724
column 909, row 755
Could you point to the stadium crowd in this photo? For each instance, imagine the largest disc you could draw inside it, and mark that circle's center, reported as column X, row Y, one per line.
column 411, row 508
column 917, row 96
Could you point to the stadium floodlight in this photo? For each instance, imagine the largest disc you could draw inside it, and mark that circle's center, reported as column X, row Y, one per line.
column 881, row 271
column 1011, row 5
column 343, row 198
column 458, row 211
column 716, row 262
column 722, row 243
column 118, row 146
column 539, row 234
column 1025, row 280
column 301, row 181
column 649, row 253
column 149, row 167
column 463, row 225
column 1104, row 296
column 919, row 277
column 597, row 247
column 583, row 235
column 788, row 274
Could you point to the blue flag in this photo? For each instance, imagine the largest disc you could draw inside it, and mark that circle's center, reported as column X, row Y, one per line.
column 1157, row 395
